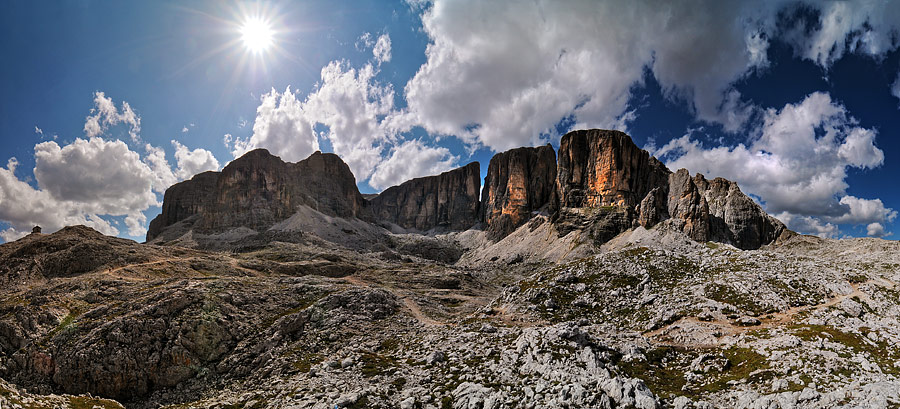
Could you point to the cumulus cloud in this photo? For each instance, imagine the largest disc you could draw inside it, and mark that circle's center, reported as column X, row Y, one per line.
column 281, row 127
column 876, row 230
column 91, row 179
column 191, row 162
column 409, row 160
column 382, row 49
column 105, row 114
column 796, row 163
column 78, row 184
column 507, row 80
column 349, row 102
column 163, row 177
column 105, row 174
column 809, row 225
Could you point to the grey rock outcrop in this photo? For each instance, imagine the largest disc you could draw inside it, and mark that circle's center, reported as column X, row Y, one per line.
column 606, row 185
column 448, row 200
column 518, row 182
column 734, row 217
column 258, row 190
column 183, row 200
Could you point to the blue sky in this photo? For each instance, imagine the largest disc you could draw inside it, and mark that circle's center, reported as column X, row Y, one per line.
column 107, row 103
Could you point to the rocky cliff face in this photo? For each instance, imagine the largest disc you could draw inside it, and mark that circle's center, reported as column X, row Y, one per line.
column 258, row 190
column 448, row 200
column 734, row 217
column 518, row 182
column 602, row 184
column 599, row 168
column 183, row 200
column 606, row 184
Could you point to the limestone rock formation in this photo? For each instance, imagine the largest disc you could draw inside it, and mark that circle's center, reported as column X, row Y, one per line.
column 734, row 217
column 606, row 185
column 600, row 168
column 687, row 207
column 518, row 182
column 448, row 200
column 183, row 200
column 258, row 190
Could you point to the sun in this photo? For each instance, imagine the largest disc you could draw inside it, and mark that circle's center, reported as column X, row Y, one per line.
column 256, row 34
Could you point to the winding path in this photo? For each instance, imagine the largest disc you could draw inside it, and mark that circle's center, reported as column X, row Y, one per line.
column 769, row 320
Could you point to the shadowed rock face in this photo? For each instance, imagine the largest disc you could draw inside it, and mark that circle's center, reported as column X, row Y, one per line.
column 183, row 200
column 734, row 217
column 448, row 200
column 518, row 182
column 258, row 190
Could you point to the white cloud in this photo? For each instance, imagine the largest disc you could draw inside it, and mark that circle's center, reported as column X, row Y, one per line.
column 876, row 230
column 105, row 114
column 105, row 176
column 184, row 129
column 863, row 211
column 865, row 27
column 409, row 160
column 895, row 87
column 38, row 131
column 797, row 163
column 809, row 225
column 350, row 102
column 81, row 183
column 506, row 78
column 502, row 81
column 191, row 162
column 163, row 177
column 281, row 127
column 382, row 49
column 92, row 179
column 78, row 184
column 364, row 42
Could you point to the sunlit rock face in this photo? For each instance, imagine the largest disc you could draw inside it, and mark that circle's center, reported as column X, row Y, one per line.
column 518, row 182
column 446, row 201
column 600, row 168
column 606, row 184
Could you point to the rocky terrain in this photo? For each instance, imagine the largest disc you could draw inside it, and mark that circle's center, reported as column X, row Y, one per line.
column 598, row 279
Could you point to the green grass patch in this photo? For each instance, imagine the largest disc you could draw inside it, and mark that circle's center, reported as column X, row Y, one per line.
column 375, row 364
column 727, row 294
column 80, row 402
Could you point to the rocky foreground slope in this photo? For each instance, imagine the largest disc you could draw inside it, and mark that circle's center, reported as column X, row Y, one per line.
column 600, row 280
